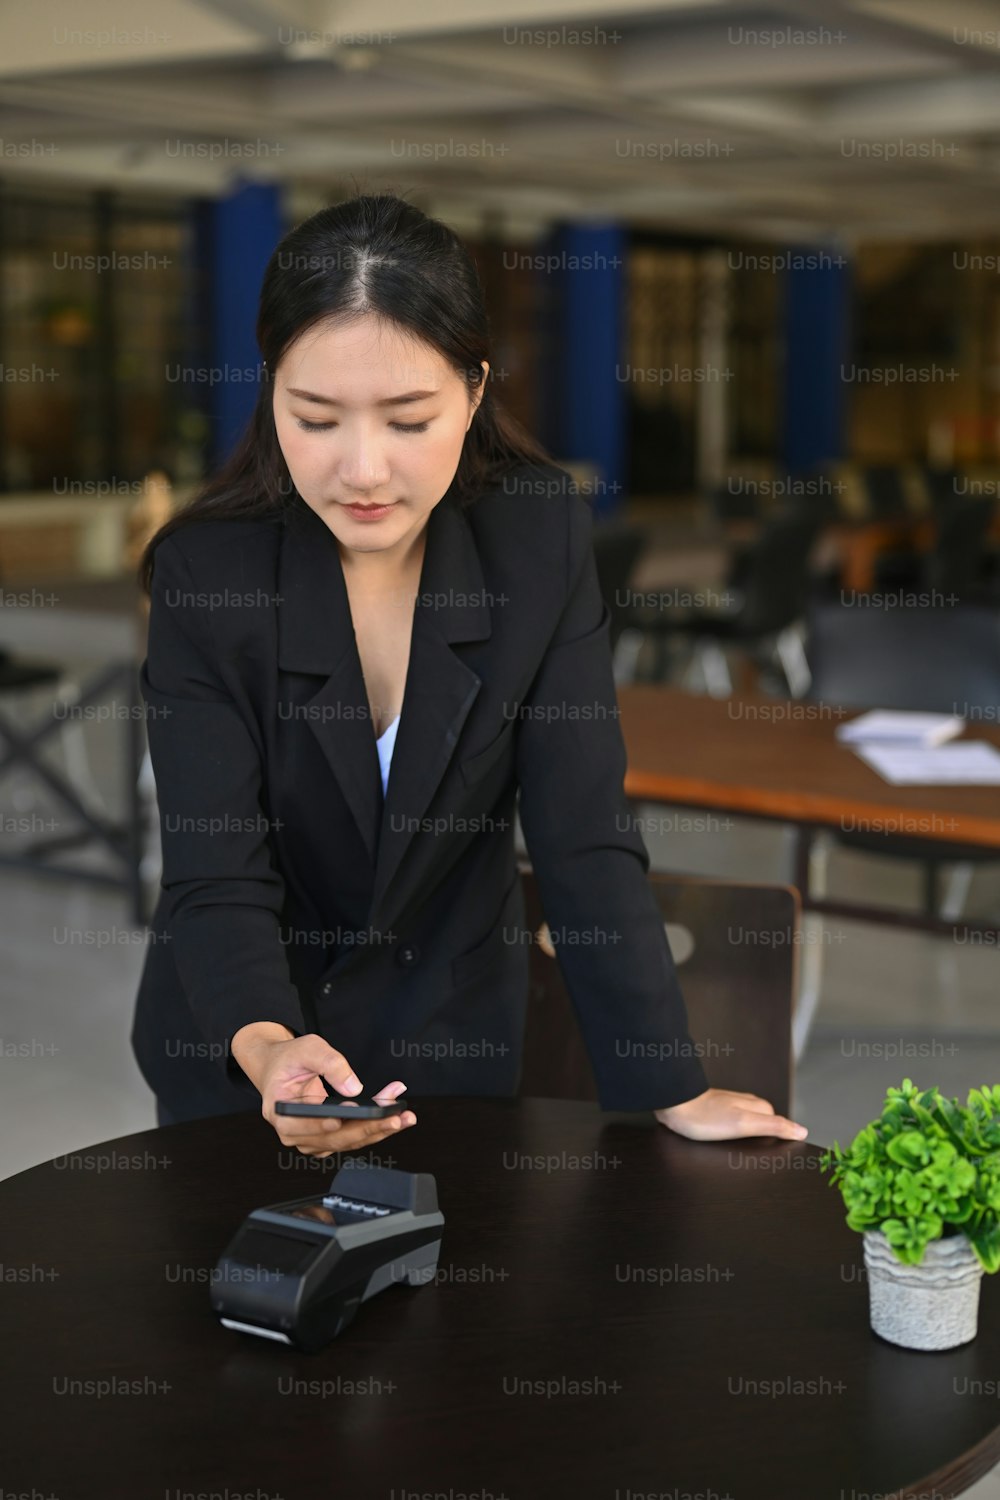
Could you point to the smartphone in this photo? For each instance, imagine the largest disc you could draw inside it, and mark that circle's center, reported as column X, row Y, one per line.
column 340, row 1108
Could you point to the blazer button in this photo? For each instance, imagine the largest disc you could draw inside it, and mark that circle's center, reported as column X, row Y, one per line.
column 326, row 988
column 408, row 956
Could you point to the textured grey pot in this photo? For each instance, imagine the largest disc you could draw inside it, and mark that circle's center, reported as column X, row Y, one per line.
column 931, row 1306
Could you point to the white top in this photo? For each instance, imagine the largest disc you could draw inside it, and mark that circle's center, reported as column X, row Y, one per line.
column 384, row 745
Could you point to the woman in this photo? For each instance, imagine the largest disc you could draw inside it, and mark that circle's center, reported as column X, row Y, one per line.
column 390, row 573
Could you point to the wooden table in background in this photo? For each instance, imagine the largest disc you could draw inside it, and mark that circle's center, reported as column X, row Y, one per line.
column 768, row 758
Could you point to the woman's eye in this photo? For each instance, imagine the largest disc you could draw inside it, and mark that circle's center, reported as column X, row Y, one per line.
column 325, row 426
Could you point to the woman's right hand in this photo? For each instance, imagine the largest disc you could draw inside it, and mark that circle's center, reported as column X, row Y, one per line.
column 282, row 1066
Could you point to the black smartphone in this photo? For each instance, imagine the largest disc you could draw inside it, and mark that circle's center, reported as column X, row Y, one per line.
column 340, row 1108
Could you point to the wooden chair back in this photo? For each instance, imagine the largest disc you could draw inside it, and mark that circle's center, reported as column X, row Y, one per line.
column 735, row 947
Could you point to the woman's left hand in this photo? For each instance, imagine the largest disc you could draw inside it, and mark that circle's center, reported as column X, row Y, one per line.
column 721, row 1115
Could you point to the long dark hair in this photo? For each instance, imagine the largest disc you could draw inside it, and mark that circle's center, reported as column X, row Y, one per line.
column 376, row 254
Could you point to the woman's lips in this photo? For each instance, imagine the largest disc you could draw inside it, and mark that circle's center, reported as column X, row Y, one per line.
column 370, row 512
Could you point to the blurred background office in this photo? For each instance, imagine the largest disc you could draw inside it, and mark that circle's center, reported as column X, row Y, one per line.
column 742, row 268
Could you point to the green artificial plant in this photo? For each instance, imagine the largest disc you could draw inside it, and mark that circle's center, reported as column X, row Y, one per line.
column 926, row 1169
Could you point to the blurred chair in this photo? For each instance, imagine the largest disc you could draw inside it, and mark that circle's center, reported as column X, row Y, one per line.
column 727, row 505
column 769, row 583
column 63, row 685
column 925, row 660
column 739, row 993
column 942, row 487
column 885, row 492
column 817, row 490
column 19, row 678
column 617, row 549
column 956, row 564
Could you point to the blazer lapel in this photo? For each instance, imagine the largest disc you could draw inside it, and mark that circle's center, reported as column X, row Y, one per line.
column 316, row 635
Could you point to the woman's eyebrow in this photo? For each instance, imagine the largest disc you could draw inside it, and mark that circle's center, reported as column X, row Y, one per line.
column 387, row 401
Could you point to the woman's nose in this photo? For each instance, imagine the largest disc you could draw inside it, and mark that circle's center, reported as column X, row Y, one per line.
column 363, row 468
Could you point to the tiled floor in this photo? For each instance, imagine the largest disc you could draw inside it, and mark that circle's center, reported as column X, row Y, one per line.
column 893, row 1003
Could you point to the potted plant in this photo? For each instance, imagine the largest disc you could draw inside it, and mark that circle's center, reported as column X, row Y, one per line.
column 922, row 1184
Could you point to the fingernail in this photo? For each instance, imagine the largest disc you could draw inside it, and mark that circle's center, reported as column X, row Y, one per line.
column 350, row 1085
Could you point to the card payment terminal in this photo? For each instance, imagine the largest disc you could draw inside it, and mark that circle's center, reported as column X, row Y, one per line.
column 297, row 1272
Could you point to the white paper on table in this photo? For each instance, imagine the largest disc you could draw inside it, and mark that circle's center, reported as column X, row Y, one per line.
column 899, row 727
column 968, row 763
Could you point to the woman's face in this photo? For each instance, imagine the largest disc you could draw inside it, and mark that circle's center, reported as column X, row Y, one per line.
column 367, row 414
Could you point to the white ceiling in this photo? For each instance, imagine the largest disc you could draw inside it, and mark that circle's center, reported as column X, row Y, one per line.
column 790, row 120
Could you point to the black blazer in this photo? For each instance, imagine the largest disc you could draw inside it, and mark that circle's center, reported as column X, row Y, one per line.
column 291, row 894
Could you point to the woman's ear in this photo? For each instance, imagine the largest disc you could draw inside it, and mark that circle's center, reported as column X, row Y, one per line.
column 479, row 392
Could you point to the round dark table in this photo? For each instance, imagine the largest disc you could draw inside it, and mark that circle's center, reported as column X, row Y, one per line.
column 617, row 1313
